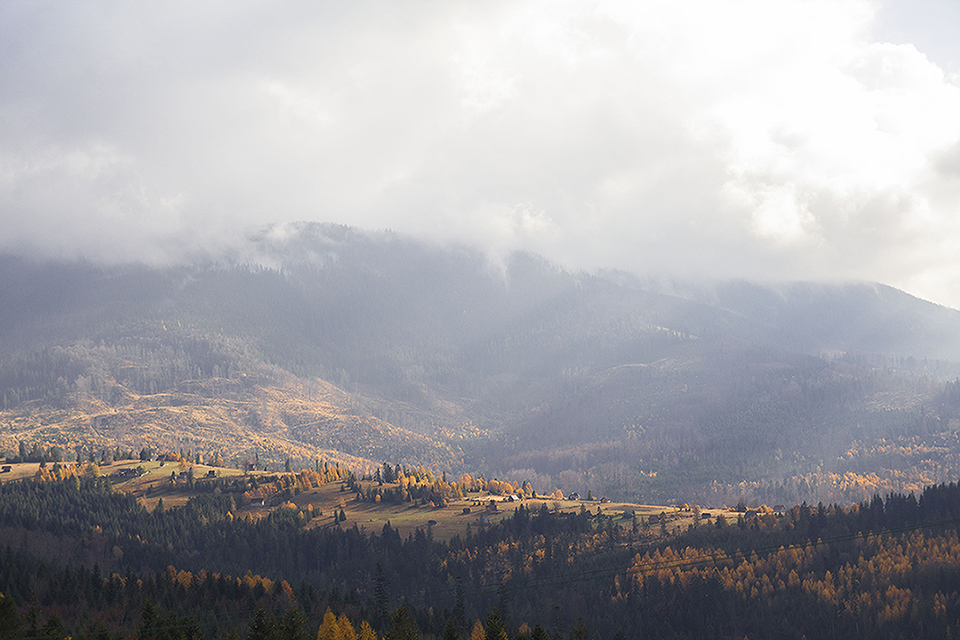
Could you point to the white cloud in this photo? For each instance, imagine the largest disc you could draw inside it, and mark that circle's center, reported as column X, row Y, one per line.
column 719, row 137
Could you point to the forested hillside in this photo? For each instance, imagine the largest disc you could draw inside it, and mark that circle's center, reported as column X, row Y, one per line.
column 373, row 346
column 883, row 568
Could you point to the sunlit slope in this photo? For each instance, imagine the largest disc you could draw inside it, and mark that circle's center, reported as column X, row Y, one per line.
column 270, row 417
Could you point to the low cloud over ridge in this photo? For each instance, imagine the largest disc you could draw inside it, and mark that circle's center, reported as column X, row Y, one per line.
column 727, row 138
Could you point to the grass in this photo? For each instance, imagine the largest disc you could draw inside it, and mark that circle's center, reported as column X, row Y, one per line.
column 20, row 471
column 450, row 520
column 441, row 523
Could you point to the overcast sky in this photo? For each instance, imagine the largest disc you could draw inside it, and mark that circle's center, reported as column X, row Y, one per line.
column 758, row 139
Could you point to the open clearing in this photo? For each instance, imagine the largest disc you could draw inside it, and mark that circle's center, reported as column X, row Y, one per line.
column 445, row 522
column 168, row 481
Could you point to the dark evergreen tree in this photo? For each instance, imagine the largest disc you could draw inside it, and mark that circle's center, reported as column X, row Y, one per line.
column 403, row 627
column 9, row 618
column 450, row 631
column 494, row 628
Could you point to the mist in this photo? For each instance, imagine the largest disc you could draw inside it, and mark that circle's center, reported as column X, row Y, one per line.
column 733, row 139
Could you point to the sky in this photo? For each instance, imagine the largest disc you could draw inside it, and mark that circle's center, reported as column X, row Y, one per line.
column 729, row 139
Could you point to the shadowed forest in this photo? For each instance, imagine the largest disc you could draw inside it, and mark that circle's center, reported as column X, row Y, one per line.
column 885, row 568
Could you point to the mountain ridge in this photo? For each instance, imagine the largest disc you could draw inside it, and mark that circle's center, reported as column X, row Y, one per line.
column 450, row 361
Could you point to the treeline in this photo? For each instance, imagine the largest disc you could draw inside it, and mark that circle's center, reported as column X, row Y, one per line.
column 37, row 453
column 43, row 452
column 419, row 484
